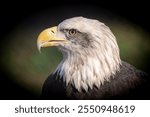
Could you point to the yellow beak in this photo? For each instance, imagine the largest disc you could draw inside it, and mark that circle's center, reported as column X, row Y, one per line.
column 48, row 38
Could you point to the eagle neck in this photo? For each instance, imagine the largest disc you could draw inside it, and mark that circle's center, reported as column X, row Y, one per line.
column 85, row 71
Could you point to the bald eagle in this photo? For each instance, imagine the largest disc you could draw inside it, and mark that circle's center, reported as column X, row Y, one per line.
column 91, row 67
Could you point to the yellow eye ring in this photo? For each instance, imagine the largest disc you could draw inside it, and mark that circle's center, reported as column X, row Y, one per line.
column 72, row 32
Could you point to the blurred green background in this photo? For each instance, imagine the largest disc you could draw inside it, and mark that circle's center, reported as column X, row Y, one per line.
column 29, row 68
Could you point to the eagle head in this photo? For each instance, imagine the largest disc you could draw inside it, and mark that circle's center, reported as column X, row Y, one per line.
column 89, row 48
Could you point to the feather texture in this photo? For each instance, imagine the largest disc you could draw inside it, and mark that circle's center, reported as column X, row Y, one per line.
column 129, row 83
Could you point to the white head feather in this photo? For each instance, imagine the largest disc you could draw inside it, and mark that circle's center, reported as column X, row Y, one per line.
column 85, row 67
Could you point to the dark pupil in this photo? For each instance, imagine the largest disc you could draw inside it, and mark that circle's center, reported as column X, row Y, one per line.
column 72, row 32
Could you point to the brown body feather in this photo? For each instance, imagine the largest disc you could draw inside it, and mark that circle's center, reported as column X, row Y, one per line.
column 129, row 83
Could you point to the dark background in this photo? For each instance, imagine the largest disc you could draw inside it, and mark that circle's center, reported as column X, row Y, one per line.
column 13, row 13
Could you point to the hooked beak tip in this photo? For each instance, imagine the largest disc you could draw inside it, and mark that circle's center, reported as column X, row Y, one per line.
column 39, row 47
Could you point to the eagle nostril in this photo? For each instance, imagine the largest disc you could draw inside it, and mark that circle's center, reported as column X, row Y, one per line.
column 52, row 31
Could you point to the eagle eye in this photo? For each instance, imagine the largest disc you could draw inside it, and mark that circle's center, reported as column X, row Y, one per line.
column 72, row 32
